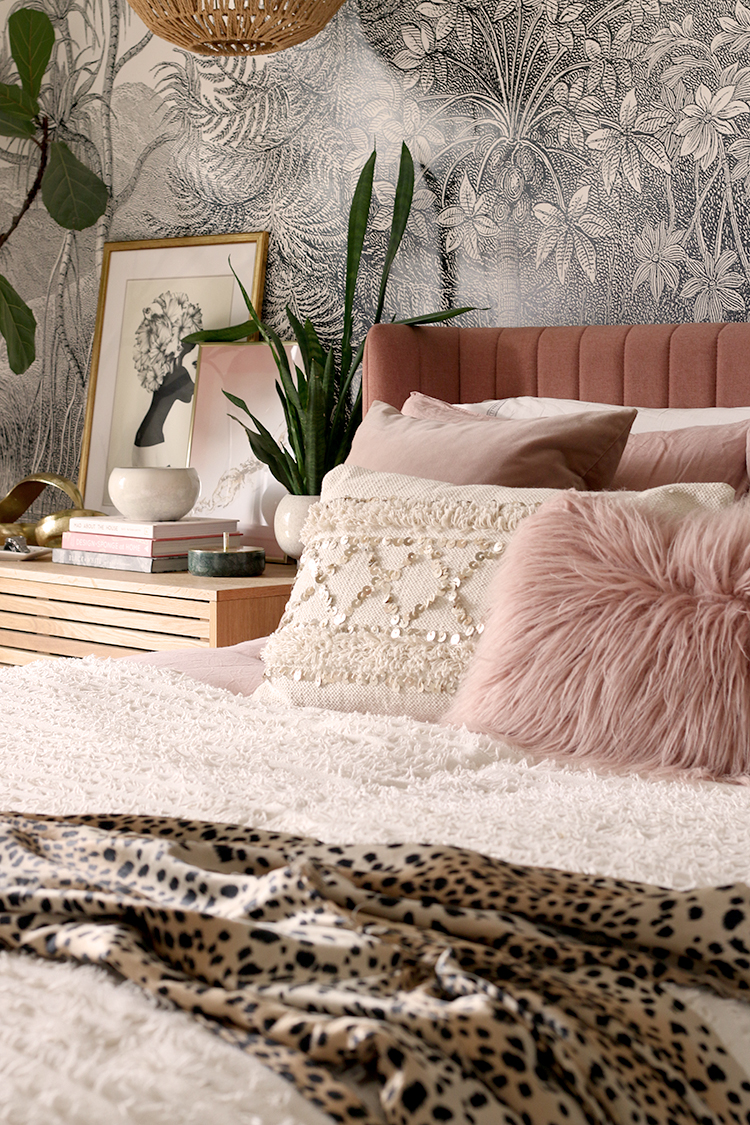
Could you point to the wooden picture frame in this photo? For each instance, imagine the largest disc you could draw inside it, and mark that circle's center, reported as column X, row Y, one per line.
column 234, row 484
column 141, row 385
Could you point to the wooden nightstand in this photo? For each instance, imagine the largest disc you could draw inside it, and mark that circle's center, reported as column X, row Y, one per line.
column 49, row 610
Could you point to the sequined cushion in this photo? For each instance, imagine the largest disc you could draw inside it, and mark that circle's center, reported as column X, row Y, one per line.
column 390, row 595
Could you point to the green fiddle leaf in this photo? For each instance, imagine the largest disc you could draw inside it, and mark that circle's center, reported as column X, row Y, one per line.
column 32, row 38
column 74, row 195
column 18, row 326
column 17, row 112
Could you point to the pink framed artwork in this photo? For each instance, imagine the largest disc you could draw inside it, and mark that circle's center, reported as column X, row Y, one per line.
column 234, row 483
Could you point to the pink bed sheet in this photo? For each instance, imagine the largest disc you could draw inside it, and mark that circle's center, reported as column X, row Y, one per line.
column 237, row 668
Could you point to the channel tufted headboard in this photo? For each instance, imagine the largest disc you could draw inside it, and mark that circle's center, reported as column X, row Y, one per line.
column 653, row 365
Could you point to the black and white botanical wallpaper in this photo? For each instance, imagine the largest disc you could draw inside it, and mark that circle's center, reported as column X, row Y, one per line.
column 579, row 162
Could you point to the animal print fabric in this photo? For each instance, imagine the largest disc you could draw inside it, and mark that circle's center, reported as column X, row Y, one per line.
column 473, row 990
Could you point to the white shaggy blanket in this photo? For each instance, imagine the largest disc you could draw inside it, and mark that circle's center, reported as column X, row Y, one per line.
column 83, row 736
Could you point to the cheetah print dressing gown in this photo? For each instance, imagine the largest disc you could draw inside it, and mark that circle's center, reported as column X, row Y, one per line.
column 473, row 990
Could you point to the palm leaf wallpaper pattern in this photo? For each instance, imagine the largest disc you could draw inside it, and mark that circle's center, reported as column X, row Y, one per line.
column 582, row 162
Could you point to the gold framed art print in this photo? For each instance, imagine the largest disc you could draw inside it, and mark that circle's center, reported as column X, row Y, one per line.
column 142, row 380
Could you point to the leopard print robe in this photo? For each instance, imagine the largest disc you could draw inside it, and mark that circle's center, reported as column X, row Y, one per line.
column 473, row 990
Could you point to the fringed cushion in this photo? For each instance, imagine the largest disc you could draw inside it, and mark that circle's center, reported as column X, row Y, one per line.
column 391, row 590
column 619, row 635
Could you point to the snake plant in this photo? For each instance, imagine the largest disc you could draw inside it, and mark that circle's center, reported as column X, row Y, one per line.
column 322, row 406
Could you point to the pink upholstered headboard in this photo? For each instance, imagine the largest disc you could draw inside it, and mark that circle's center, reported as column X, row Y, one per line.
column 653, row 365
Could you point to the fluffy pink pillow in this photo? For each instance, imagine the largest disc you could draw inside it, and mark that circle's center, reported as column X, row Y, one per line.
column 569, row 451
column 620, row 637
column 692, row 454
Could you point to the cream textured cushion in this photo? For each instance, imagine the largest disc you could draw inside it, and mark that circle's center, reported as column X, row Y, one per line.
column 390, row 594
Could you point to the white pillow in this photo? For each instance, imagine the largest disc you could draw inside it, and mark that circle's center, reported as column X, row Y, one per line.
column 392, row 586
column 648, row 420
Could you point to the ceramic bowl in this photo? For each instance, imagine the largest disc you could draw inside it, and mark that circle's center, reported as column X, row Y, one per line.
column 154, row 493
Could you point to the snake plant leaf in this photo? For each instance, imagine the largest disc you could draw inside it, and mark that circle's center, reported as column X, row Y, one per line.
column 314, row 345
column 274, row 341
column 272, row 458
column 74, row 195
column 237, row 401
column 18, row 326
column 301, row 337
column 245, row 297
column 278, row 457
column 345, row 440
column 358, row 218
column 315, row 431
column 437, row 317
column 32, row 38
column 346, row 418
column 330, row 382
column 17, row 112
column 401, row 208
column 294, row 425
column 339, row 413
column 222, row 335
column 267, row 446
column 268, row 451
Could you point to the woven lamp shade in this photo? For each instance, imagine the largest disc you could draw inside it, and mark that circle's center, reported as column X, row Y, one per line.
column 235, row 27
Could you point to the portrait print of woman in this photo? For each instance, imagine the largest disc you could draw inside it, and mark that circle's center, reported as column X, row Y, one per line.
column 161, row 363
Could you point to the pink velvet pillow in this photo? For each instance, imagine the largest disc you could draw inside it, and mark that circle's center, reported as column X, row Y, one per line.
column 618, row 636
column 692, row 454
column 569, row 451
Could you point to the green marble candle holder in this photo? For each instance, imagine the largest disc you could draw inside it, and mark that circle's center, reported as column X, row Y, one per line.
column 234, row 562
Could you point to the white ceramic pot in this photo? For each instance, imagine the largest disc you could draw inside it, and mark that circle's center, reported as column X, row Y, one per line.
column 290, row 516
column 154, row 493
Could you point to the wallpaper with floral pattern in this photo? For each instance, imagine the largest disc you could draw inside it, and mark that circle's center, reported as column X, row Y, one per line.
column 578, row 162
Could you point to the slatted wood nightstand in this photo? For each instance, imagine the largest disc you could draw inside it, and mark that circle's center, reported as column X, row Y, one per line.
column 50, row 610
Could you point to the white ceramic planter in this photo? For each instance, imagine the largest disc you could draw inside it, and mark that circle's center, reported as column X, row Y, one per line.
column 288, row 521
column 154, row 493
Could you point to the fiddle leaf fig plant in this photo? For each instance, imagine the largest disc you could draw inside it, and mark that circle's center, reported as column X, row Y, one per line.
column 321, row 406
column 74, row 196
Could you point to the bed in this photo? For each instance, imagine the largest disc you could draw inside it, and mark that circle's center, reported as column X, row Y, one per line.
column 114, row 768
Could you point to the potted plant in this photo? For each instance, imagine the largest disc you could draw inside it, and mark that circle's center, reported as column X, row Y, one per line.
column 322, row 405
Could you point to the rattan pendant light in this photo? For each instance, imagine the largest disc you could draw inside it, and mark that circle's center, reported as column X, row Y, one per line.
column 235, row 27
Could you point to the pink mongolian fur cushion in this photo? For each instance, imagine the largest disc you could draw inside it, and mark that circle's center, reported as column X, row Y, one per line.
column 619, row 636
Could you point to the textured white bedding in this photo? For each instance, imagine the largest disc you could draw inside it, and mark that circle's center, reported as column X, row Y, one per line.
column 116, row 736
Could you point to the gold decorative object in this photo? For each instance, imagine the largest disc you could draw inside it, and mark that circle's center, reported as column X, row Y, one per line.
column 48, row 531
column 235, row 27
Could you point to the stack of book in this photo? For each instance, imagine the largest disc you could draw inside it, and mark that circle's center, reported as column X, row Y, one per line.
column 123, row 544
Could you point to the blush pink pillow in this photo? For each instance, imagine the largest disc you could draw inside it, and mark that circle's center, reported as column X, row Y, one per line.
column 620, row 637
column 690, row 455
column 698, row 453
column 569, row 451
